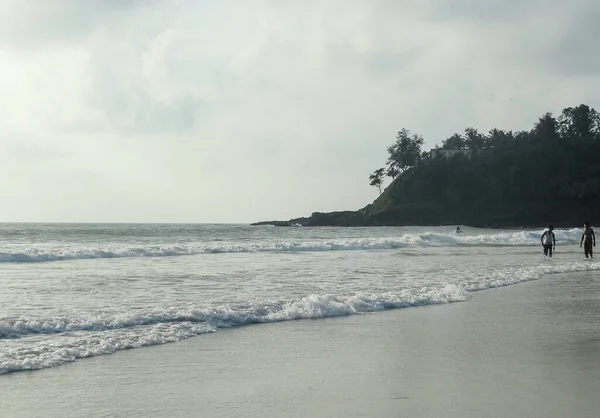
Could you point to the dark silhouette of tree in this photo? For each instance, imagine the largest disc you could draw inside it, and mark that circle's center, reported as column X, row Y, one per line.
column 405, row 153
column 546, row 127
column 376, row 178
column 392, row 171
column 497, row 138
column 473, row 139
column 456, row 141
column 549, row 173
column 579, row 122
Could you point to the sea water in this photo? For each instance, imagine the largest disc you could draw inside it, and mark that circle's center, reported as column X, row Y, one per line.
column 72, row 291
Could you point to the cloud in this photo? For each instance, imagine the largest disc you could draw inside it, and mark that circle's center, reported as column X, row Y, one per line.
column 38, row 23
column 239, row 111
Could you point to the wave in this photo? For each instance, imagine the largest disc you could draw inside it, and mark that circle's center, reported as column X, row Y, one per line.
column 39, row 346
column 312, row 306
column 44, row 253
column 87, row 337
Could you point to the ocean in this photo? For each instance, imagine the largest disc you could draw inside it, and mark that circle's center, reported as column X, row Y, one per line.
column 74, row 291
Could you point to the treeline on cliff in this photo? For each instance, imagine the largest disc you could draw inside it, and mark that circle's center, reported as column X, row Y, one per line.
column 549, row 174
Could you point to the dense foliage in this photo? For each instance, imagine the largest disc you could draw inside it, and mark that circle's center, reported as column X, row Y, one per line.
column 549, row 174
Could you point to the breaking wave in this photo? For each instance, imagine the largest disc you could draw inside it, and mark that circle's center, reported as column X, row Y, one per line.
column 76, row 337
column 105, row 334
column 43, row 252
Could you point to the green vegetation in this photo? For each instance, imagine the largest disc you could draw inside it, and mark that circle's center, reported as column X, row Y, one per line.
column 376, row 179
column 404, row 153
column 549, row 174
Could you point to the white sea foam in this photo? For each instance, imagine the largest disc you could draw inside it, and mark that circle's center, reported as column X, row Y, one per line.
column 35, row 344
column 59, row 313
column 51, row 353
column 312, row 306
column 41, row 253
column 87, row 337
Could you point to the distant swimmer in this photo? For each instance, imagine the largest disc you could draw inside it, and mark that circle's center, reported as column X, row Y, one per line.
column 458, row 231
column 548, row 241
column 588, row 240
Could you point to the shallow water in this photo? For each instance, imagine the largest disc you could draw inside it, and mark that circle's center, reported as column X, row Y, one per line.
column 73, row 291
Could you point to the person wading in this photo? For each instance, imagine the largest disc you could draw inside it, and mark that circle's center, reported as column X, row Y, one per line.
column 548, row 241
column 588, row 240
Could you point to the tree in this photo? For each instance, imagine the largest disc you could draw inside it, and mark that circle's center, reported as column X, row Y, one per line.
column 376, row 178
column 456, row 141
column 546, row 127
column 473, row 139
column 392, row 171
column 579, row 122
column 405, row 152
column 547, row 173
column 497, row 138
column 523, row 136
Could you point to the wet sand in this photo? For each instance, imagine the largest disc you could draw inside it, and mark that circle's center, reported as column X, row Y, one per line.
column 528, row 350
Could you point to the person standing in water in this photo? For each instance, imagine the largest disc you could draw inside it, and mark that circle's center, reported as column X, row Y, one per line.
column 548, row 241
column 588, row 240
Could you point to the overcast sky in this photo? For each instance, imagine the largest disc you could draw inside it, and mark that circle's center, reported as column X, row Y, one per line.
column 238, row 111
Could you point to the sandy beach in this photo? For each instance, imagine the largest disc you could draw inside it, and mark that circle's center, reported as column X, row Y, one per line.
column 528, row 350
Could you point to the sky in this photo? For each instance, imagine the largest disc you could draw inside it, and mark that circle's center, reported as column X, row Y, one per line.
column 249, row 110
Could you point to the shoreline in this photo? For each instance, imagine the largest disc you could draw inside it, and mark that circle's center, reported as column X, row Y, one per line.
column 530, row 349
